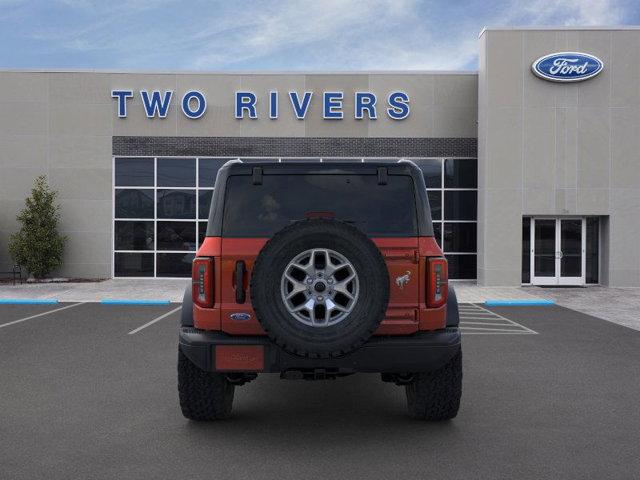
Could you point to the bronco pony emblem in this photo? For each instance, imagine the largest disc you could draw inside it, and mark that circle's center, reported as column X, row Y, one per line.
column 402, row 280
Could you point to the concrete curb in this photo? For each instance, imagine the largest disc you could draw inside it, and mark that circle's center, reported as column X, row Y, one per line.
column 28, row 301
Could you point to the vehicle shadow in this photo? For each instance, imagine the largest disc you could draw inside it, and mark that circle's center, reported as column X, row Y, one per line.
column 300, row 414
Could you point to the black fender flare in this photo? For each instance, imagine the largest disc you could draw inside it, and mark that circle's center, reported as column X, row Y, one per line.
column 453, row 315
column 186, row 314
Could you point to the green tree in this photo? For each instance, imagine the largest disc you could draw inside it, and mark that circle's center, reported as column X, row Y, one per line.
column 37, row 246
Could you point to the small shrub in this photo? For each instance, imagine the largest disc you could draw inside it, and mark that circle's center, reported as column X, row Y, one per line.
column 37, row 246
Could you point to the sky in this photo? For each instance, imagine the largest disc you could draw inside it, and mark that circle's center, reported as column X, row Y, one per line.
column 277, row 35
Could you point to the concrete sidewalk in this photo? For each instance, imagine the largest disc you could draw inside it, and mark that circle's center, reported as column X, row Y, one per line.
column 172, row 290
column 617, row 305
column 120, row 288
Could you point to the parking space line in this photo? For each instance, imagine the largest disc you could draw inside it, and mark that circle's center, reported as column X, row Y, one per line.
column 487, row 332
column 164, row 315
column 477, row 320
column 39, row 315
column 486, row 323
column 510, row 321
column 492, row 329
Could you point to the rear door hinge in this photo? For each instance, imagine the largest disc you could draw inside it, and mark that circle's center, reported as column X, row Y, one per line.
column 256, row 175
column 382, row 176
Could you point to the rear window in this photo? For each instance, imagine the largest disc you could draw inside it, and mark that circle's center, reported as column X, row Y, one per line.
column 262, row 210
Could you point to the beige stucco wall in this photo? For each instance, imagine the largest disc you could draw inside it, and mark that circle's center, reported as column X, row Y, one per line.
column 61, row 125
column 558, row 149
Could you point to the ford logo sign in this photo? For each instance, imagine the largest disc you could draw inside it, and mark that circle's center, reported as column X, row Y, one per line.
column 567, row 66
column 240, row 316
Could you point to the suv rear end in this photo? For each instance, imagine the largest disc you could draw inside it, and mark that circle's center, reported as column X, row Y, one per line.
column 316, row 271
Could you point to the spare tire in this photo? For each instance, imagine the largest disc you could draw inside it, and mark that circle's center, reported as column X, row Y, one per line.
column 320, row 288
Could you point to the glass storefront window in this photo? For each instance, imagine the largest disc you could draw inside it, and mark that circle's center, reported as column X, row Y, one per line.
column 176, row 236
column 202, row 232
column 452, row 191
column 165, row 240
column 593, row 246
column 435, row 204
column 526, row 250
column 176, row 172
column 208, row 170
column 174, row 264
column 437, row 232
column 462, row 267
column 431, row 171
column 460, row 237
column 134, row 203
column 460, row 205
column 133, row 264
column 134, row 172
column 176, row 203
column 133, row 235
column 204, row 203
column 161, row 206
column 460, row 173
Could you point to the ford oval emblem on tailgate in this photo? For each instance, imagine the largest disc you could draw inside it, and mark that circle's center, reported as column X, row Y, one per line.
column 567, row 66
column 240, row 316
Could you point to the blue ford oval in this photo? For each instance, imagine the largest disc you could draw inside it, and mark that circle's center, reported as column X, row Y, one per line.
column 567, row 66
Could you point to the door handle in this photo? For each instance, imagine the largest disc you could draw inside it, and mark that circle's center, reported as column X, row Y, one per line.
column 241, row 295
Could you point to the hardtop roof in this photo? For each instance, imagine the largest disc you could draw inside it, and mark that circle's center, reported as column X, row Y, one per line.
column 276, row 166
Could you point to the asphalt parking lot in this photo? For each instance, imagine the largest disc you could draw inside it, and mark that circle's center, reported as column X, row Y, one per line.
column 89, row 391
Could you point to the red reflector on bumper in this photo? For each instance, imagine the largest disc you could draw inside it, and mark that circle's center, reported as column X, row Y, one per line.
column 239, row 357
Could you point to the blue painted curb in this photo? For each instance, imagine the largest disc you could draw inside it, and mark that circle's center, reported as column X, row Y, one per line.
column 109, row 301
column 27, row 301
column 518, row 303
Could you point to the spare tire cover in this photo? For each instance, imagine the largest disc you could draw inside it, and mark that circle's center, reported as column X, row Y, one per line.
column 320, row 288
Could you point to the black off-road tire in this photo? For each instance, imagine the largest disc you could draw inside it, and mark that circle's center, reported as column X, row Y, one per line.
column 203, row 395
column 305, row 340
column 436, row 395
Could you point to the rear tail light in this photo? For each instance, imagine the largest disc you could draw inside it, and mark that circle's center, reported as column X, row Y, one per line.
column 437, row 282
column 202, row 282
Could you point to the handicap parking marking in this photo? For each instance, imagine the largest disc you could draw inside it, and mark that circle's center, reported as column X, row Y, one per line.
column 30, row 317
column 157, row 319
column 477, row 320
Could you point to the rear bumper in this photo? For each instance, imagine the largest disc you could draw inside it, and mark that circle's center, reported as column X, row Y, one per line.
column 420, row 352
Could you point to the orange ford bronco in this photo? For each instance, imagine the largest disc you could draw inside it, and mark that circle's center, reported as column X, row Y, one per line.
column 317, row 271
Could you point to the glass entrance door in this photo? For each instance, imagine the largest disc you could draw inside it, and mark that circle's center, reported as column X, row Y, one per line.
column 558, row 251
column 572, row 249
column 543, row 253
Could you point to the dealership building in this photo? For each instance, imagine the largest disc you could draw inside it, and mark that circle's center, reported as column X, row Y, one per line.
column 532, row 163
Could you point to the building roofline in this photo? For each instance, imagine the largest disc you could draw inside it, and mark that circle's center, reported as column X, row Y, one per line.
column 562, row 27
column 238, row 72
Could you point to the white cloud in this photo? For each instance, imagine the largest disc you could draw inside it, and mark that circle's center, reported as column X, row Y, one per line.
column 384, row 35
column 571, row 12
column 284, row 25
column 304, row 34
